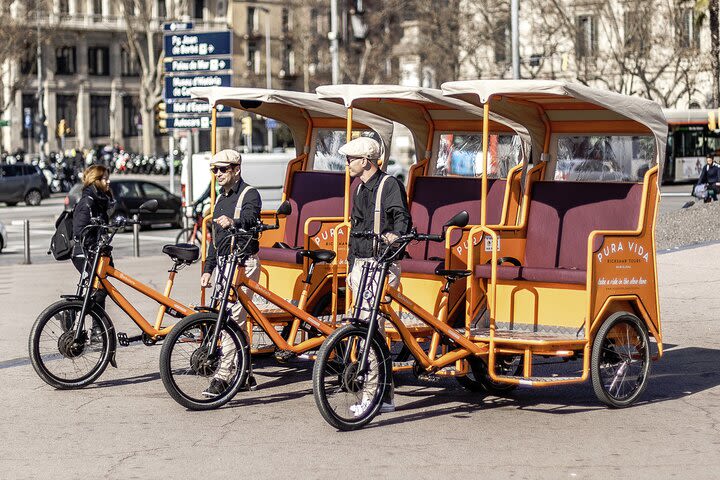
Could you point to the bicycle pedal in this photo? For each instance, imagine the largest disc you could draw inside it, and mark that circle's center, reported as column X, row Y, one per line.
column 125, row 341
column 428, row 377
column 284, row 356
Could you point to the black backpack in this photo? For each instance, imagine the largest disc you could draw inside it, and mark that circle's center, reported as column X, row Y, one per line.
column 62, row 242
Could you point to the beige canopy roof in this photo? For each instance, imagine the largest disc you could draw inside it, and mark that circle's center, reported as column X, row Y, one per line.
column 295, row 109
column 416, row 108
column 547, row 106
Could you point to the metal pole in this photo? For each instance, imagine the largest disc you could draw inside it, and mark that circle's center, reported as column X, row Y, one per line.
column 189, row 165
column 136, row 236
column 514, row 21
column 171, row 147
column 26, row 242
column 333, row 36
column 268, row 71
column 41, row 110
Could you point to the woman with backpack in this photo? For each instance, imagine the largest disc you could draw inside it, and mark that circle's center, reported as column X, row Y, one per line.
column 96, row 202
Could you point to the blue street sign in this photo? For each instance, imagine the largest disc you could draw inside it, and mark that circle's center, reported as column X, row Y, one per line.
column 177, row 26
column 28, row 118
column 203, row 122
column 197, row 44
column 270, row 123
column 179, row 87
column 185, row 65
column 192, row 107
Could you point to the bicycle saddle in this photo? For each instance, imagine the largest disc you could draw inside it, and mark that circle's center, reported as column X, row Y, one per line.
column 182, row 252
column 455, row 274
column 318, row 255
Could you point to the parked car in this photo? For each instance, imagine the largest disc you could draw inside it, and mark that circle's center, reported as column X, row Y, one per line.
column 3, row 237
column 22, row 182
column 130, row 194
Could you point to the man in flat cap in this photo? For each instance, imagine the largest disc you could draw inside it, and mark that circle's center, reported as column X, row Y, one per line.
column 380, row 205
column 238, row 204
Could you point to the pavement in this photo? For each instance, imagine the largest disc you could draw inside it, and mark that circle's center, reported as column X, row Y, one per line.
column 126, row 426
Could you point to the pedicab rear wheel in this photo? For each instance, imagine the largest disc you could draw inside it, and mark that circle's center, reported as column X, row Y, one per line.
column 620, row 360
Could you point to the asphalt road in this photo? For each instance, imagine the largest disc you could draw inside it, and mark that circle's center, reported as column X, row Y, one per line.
column 125, row 425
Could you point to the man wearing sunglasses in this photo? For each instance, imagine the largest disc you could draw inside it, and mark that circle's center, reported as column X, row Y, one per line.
column 238, row 204
column 390, row 218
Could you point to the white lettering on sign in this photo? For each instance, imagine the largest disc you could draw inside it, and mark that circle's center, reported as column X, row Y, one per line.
column 613, row 282
column 189, row 45
column 615, row 248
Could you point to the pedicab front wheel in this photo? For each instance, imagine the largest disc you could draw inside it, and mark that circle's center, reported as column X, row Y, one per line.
column 620, row 360
column 346, row 398
column 190, row 374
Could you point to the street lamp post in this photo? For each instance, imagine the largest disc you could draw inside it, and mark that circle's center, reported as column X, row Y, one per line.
column 515, row 35
column 268, row 69
column 41, row 110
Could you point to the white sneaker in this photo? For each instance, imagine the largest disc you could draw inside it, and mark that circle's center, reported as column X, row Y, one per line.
column 387, row 407
column 359, row 408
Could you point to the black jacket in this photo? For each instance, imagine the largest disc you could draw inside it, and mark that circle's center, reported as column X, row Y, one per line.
column 394, row 217
column 709, row 174
column 92, row 204
column 249, row 217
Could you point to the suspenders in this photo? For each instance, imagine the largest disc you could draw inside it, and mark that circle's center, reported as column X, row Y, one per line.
column 238, row 208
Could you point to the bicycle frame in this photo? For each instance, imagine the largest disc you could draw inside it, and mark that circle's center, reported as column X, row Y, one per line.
column 103, row 272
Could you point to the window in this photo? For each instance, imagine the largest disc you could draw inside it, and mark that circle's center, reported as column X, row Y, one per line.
column 63, row 7
column 288, row 59
column 616, row 158
column 99, row 61
column 154, row 191
column 130, row 115
column 286, row 21
column 327, row 142
column 636, row 30
column 128, row 64
column 161, row 9
column 98, row 8
column 99, row 115
column 501, row 40
column 29, row 101
column 199, row 10
column 688, row 30
column 66, row 109
column 253, row 20
column 586, row 43
column 461, row 154
column 125, row 189
column 253, row 58
column 65, row 61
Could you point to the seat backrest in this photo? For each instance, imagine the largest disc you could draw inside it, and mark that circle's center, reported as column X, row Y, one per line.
column 562, row 215
column 437, row 199
column 312, row 194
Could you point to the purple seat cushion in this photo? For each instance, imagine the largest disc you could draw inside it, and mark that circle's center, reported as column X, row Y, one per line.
column 534, row 274
column 313, row 194
column 409, row 265
column 562, row 215
column 282, row 255
column 437, row 199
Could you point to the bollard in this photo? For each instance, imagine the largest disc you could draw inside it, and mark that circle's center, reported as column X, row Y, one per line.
column 136, row 236
column 26, row 241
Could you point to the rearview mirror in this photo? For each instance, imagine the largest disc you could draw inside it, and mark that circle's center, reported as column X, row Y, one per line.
column 149, row 206
column 284, row 209
column 459, row 220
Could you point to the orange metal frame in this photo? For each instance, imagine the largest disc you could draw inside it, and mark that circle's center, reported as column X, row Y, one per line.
column 105, row 272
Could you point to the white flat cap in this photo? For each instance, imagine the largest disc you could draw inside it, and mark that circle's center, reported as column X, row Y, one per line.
column 361, row 147
column 226, row 157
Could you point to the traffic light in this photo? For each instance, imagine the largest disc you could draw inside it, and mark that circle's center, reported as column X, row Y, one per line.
column 161, row 117
column 246, row 125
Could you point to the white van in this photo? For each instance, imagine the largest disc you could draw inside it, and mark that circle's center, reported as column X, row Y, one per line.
column 264, row 171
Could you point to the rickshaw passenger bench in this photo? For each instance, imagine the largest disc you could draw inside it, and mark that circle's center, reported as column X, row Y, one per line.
column 430, row 211
column 561, row 217
column 313, row 194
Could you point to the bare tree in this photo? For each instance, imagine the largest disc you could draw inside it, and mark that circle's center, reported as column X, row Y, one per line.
column 145, row 44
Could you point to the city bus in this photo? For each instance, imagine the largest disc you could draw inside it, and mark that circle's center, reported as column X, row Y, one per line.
column 692, row 135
